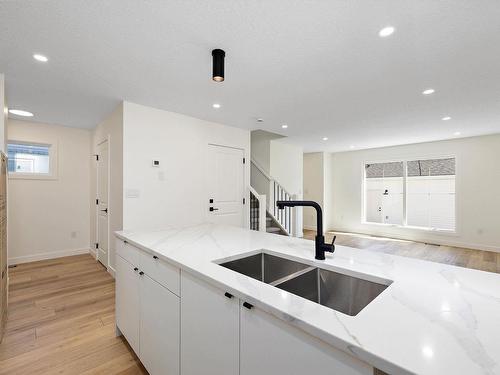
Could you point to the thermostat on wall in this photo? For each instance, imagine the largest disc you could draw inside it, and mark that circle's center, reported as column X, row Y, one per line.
column 156, row 163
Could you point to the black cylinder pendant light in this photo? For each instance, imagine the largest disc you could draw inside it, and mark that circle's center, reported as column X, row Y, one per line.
column 218, row 56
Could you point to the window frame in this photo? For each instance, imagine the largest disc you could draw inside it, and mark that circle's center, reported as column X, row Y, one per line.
column 53, row 160
column 405, row 160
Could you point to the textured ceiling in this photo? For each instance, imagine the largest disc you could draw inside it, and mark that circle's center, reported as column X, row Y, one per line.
column 318, row 66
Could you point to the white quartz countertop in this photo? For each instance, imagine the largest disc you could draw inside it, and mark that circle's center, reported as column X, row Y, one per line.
column 433, row 318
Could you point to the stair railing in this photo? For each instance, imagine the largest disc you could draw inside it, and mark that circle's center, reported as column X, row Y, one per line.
column 257, row 210
column 261, row 181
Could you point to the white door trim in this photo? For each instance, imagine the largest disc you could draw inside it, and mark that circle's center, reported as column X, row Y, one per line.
column 107, row 138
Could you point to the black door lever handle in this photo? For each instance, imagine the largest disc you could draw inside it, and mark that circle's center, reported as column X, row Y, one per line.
column 213, row 209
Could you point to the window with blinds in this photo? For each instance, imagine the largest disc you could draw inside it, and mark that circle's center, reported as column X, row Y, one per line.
column 430, row 194
column 414, row 193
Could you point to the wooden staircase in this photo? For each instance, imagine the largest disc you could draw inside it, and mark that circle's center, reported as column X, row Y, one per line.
column 273, row 227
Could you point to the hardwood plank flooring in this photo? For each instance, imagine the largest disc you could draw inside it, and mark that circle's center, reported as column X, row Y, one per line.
column 469, row 258
column 61, row 320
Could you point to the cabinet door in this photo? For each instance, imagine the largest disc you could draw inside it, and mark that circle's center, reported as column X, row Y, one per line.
column 209, row 329
column 160, row 326
column 127, row 302
column 269, row 346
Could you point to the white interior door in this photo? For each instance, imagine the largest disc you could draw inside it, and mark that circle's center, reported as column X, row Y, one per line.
column 226, row 191
column 102, row 202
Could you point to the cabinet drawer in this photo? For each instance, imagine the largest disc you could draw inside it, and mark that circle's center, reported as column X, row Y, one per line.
column 127, row 251
column 161, row 271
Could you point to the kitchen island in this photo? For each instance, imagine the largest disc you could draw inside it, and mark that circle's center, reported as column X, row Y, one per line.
column 181, row 310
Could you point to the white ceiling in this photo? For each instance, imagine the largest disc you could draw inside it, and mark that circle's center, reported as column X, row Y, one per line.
column 318, row 66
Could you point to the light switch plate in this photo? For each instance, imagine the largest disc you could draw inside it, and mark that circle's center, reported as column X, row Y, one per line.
column 132, row 193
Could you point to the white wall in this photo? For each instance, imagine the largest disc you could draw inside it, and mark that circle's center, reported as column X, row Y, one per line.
column 261, row 148
column 3, row 113
column 50, row 218
column 176, row 192
column 477, row 191
column 112, row 129
column 314, row 174
column 287, row 165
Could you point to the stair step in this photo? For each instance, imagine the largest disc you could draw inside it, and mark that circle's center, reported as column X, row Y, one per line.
column 273, row 229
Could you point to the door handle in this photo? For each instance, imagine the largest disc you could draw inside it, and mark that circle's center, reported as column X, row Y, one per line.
column 105, row 210
column 247, row 305
column 213, row 209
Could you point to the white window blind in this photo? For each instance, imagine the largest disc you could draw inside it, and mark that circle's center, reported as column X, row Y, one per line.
column 429, row 193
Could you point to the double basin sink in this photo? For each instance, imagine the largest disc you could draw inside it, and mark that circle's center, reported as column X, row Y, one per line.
column 340, row 292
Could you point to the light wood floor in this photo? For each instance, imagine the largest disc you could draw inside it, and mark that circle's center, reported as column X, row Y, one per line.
column 477, row 259
column 61, row 321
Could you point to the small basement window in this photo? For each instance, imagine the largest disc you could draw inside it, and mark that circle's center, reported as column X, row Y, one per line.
column 30, row 160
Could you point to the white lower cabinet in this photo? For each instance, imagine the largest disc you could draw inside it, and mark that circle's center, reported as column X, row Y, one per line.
column 209, row 329
column 222, row 336
column 148, row 315
column 127, row 302
column 159, row 329
column 269, row 346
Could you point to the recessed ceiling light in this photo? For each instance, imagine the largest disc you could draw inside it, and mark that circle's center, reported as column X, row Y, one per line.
column 457, row 133
column 446, row 118
column 20, row 112
column 325, row 138
column 428, row 91
column 216, row 105
column 284, row 126
column 351, row 147
column 386, row 31
column 41, row 58
column 427, row 352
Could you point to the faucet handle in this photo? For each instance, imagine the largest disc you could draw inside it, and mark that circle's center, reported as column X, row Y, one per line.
column 333, row 243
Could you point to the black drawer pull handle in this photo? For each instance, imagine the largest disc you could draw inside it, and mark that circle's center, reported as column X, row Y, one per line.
column 247, row 305
column 228, row 295
column 136, row 269
column 125, row 241
column 141, row 273
column 155, row 257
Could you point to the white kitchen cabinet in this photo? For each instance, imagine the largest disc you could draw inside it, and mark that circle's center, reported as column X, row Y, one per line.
column 147, row 313
column 127, row 302
column 160, row 271
column 269, row 346
column 159, row 328
column 209, row 329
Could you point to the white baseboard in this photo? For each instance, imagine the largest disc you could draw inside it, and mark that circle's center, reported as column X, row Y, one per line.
column 48, row 255
column 111, row 271
column 310, row 227
column 444, row 241
column 93, row 252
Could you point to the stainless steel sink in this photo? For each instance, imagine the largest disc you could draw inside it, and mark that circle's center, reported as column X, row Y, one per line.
column 340, row 292
column 337, row 291
column 265, row 267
